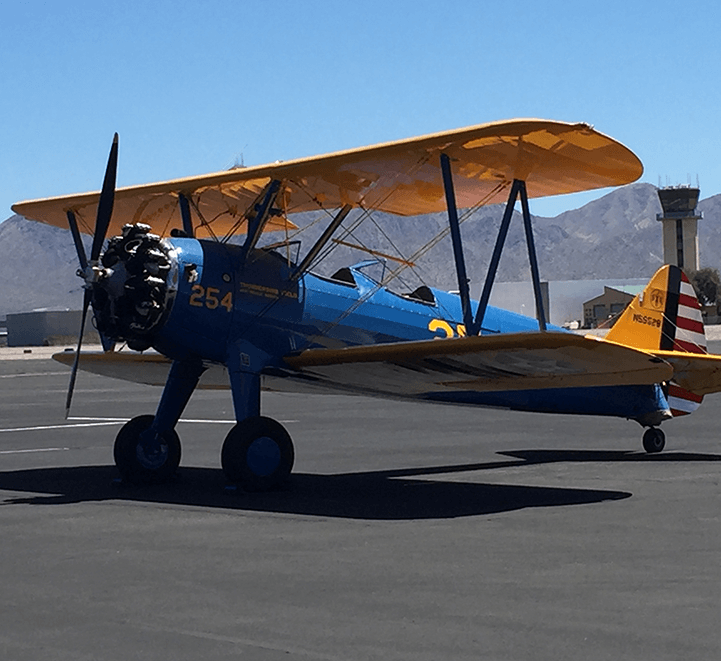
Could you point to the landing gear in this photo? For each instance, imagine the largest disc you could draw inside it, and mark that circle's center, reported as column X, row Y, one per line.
column 258, row 454
column 654, row 440
column 142, row 459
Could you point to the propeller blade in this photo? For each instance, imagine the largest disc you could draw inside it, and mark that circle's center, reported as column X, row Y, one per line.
column 77, row 239
column 105, row 204
column 74, row 372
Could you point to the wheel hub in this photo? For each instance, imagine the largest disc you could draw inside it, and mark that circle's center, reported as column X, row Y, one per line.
column 152, row 459
column 263, row 456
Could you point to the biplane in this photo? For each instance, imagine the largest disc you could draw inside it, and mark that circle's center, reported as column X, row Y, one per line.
column 247, row 315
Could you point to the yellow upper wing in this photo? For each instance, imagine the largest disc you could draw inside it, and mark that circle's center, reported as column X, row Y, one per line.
column 400, row 177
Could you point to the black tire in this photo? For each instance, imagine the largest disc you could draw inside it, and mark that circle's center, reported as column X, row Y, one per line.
column 654, row 440
column 258, row 454
column 137, row 468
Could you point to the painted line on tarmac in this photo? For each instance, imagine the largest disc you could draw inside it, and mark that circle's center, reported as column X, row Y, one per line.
column 15, row 376
column 33, row 450
column 105, row 422
column 193, row 420
column 113, row 420
column 46, row 427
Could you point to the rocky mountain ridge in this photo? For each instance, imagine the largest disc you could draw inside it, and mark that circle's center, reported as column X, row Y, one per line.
column 616, row 236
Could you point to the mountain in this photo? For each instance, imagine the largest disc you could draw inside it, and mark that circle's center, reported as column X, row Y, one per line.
column 37, row 267
column 616, row 236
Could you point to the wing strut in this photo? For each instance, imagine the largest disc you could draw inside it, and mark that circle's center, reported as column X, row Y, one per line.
column 79, row 247
column 518, row 188
column 533, row 260
column 318, row 245
column 458, row 246
column 260, row 214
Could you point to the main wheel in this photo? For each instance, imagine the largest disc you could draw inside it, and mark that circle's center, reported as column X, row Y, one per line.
column 136, row 464
column 258, row 454
column 654, row 440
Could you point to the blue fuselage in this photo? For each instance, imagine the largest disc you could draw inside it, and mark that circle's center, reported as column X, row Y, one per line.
column 229, row 307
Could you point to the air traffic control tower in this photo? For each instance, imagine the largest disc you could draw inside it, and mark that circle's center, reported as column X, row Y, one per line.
column 680, row 225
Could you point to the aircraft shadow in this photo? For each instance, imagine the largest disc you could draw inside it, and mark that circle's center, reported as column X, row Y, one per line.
column 390, row 494
column 379, row 495
column 606, row 456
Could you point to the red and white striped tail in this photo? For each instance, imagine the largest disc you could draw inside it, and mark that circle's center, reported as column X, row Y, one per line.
column 680, row 401
column 689, row 332
column 689, row 336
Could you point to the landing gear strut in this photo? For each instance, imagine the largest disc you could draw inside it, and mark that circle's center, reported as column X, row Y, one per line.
column 654, row 440
column 257, row 454
column 147, row 448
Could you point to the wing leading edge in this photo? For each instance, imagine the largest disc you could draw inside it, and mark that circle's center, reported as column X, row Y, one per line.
column 506, row 362
column 513, row 361
column 401, row 177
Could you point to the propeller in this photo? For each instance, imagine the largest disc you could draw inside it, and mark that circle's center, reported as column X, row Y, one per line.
column 105, row 204
column 91, row 269
column 74, row 372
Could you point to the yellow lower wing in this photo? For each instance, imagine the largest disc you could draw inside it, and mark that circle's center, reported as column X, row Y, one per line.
column 513, row 361
column 148, row 368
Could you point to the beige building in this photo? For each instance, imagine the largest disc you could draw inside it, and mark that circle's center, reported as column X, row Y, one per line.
column 602, row 311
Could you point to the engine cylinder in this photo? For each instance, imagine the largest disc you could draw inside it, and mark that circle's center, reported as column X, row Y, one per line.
column 134, row 296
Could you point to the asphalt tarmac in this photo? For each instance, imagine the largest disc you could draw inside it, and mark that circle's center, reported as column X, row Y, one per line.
column 408, row 531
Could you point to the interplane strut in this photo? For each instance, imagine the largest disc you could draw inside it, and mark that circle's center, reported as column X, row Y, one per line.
column 518, row 189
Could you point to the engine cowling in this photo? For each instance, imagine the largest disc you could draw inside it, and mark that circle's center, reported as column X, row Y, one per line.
column 134, row 293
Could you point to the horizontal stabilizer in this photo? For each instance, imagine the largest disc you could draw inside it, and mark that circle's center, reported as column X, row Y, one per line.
column 698, row 373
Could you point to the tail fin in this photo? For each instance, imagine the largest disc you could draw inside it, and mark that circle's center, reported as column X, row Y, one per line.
column 665, row 316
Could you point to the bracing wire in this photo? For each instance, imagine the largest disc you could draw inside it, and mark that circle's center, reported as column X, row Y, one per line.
column 367, row 214
column 398, row 270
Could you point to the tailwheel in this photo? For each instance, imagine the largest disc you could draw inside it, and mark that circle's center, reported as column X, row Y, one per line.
column 141, row 460
column 258, row 454
column 654, row 440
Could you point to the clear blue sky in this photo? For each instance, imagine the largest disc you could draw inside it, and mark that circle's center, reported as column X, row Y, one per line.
column 193, row 87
